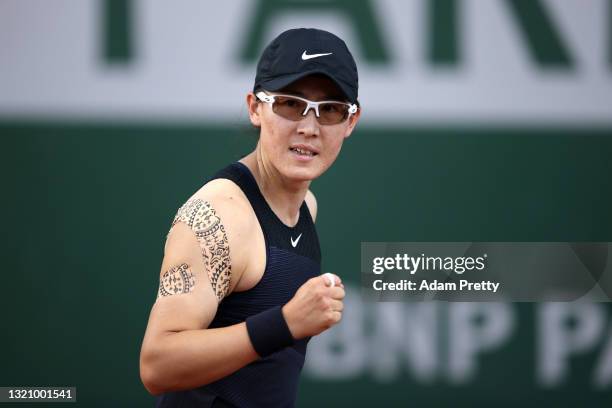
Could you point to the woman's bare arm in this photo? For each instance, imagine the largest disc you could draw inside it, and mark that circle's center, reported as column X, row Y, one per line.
column 179, row 351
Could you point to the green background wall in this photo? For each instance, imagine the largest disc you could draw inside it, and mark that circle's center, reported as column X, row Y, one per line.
column 86, row 209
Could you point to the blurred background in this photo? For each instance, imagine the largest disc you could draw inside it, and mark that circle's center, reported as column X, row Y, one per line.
column 482, row 121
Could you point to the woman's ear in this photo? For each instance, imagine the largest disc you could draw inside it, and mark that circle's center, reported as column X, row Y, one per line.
column 253, row 107
column 352, row 122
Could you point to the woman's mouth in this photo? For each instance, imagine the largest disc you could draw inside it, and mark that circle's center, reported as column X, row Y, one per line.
column 302, row 152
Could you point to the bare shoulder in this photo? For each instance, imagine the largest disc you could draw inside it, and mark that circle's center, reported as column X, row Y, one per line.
column 223, row 221
column 226, row 196
column 311, row 202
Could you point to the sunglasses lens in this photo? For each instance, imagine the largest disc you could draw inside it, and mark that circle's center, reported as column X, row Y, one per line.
column 332, row 113
column 288, row 107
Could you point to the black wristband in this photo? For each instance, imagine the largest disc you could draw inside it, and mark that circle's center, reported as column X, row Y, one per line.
column 268, row 331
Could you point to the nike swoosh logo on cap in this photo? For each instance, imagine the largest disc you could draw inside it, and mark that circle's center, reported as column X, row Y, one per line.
column 294, row 243
column 306, row 56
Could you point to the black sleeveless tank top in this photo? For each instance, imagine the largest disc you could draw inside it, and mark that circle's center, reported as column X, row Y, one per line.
column 293, row 256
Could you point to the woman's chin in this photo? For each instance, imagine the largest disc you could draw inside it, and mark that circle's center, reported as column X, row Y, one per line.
column 303, row 173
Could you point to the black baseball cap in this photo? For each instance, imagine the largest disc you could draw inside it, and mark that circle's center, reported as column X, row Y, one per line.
column 300, row 52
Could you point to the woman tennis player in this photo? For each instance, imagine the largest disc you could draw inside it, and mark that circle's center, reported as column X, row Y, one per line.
column 241, row 290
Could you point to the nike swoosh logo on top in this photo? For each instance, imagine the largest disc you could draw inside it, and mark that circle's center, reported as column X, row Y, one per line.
column 294, row 243
column 306, row 56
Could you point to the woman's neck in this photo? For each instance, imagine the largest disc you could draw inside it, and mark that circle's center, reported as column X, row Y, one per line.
column 284, row 196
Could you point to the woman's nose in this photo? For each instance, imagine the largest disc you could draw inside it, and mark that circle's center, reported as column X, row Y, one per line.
column 309, row 124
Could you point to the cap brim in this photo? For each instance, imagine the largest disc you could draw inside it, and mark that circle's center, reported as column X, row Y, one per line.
column 279, row 83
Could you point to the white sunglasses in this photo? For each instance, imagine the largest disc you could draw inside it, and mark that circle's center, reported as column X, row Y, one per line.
column 295, row 108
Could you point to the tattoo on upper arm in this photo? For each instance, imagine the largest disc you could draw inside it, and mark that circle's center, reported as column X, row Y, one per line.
column 176, row 280
column 201, row 217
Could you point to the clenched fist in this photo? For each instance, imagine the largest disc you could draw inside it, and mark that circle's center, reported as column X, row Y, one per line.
column 316, row 306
